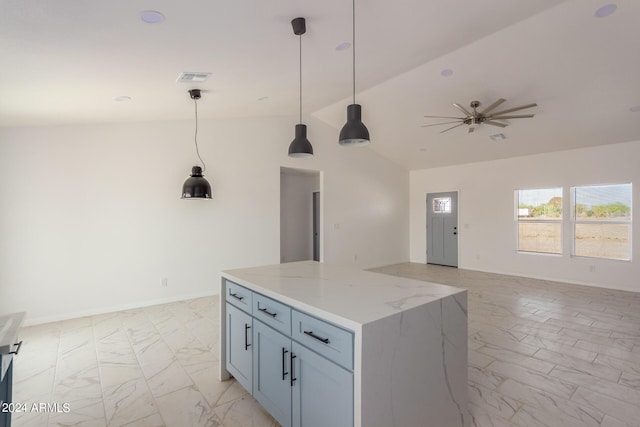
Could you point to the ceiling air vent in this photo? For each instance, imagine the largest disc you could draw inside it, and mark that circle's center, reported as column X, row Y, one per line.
column 189, row 77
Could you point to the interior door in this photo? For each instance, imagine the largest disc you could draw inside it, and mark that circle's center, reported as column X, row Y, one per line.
column 442, row 228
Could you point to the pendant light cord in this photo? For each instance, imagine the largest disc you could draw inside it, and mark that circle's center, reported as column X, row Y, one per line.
column 195, row 137
column 353, row 48
column 300, row 78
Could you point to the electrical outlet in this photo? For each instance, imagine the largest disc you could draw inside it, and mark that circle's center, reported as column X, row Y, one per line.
column 165, row 282
column 592, row 268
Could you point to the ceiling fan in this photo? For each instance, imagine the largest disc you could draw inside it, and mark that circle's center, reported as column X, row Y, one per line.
column 475, row 118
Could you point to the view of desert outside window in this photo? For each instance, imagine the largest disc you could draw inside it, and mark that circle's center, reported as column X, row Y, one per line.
column 602, row 227
column 601, row 221
column 540, row 220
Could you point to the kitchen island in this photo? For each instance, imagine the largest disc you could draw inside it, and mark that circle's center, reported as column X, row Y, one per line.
column 319, row 344
column 9, row 346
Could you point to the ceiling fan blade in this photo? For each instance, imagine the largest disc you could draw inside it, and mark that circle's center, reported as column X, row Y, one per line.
column 443, row 123
column 452, row 127
column 445, row 117
column 464, row 110
column 492, row 106
column 514, row 116
column 492, row 123
column 522, row 107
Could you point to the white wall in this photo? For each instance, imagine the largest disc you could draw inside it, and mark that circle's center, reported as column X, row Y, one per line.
column 487, row 229
column 296, row 214
column 91, row 219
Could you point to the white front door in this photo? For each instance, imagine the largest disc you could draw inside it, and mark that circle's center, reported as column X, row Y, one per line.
column 442, row 228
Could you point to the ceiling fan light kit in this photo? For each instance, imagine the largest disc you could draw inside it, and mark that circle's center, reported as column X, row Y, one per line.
column 474, row 118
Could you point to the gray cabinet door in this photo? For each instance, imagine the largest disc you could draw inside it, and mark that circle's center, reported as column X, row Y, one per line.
column 271, row 373
column 322, row 392
column 5, row 395
column 240, row 346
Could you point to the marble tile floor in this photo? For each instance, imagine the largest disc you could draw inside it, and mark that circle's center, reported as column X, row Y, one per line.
column 544, row 353
column 540, row 354
column 148, row 367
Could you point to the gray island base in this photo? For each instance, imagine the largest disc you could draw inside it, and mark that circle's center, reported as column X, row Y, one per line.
column 324, row 345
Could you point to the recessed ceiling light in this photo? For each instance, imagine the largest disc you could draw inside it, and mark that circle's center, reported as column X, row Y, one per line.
column 263, row 98
column 123, row 98
column 151, row 17
column 447, row 72
column 635, row 109
column 423, row 149
column 606, row 10
column 498, row 136
column 343, row 46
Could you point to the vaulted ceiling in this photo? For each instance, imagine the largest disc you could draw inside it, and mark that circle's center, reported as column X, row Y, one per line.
column 65, row 62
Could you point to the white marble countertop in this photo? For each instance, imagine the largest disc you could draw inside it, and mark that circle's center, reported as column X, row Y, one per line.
column 345, row 295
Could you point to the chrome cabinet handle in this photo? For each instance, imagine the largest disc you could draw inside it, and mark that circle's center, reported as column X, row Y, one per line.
column 312, row 335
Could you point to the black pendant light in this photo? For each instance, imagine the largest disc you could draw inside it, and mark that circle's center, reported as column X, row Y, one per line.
column 300, row 146
column 354, row 133
column 196, row 186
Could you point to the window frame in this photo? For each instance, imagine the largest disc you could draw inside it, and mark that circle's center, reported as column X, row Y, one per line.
column 447, row 206
column 560, row 221
column 574, row 221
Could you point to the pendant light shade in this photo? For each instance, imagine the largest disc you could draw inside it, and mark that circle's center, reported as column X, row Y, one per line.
column 354, row 133
column 300, row 146
column 196, row 186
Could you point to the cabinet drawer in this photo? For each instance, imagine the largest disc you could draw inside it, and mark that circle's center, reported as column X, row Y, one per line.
column 239, row 296
column 324, row 338
column 273, row 313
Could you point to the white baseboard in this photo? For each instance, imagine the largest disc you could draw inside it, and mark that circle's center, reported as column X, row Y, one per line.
column 111, row 309
column 552, row 279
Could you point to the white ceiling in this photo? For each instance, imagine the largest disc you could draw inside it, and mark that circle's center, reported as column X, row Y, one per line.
column 64, row 62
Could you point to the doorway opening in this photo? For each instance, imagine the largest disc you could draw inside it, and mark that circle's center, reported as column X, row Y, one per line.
column 442, row 228
column 300, row 215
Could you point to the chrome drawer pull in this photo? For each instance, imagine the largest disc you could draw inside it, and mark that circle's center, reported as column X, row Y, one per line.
column 236, row 296
column 312, row 335
column 17, row 349
column 264, row 310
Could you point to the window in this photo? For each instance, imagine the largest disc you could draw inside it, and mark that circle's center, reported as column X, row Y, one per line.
column 539, row 218
column 601, row 217
column 442, row 205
